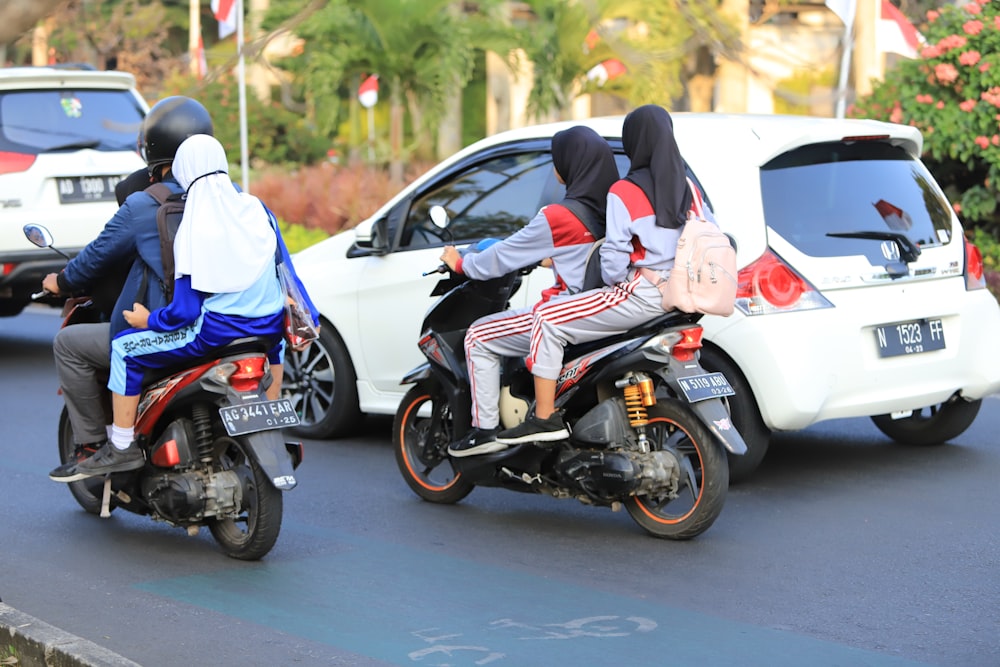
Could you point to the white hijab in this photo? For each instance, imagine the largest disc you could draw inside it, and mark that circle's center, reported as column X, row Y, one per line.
column 225, row 240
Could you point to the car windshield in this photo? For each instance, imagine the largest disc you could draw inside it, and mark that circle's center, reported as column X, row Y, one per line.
column 854, row 188
column 39, row 121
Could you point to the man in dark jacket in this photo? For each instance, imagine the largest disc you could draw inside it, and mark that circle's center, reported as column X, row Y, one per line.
column 82, row 351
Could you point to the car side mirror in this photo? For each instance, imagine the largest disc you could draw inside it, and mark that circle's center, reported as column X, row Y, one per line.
column 439, row 216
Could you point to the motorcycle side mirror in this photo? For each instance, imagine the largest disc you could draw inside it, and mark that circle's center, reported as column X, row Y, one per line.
column 439, row 216
column 38, row 235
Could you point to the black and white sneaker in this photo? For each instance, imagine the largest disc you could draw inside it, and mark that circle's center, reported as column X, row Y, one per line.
column 478, row 441
column 106, row 460
column 533, row 429
column 67, row 471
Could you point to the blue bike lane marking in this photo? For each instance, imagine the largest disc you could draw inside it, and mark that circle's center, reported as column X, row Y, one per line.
column 405, row 606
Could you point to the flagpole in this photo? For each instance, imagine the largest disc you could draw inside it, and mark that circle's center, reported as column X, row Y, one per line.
column 241, row 78
column 845, row 57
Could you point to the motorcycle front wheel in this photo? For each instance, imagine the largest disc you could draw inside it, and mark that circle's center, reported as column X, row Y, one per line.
column 421, row 434
column 253, row 532
column 704, row 478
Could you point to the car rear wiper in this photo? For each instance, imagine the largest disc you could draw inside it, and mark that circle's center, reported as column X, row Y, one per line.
column 75, row 145
column 908, row 250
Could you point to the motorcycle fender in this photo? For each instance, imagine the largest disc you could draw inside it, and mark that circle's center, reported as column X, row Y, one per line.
column 268, row 447
column 421, row 372
column 715, row 416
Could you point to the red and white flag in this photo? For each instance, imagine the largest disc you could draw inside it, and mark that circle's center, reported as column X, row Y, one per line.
column 225, row 13
column 845, row 9
column 368, row 92
column 895, row 34
column 605, row 71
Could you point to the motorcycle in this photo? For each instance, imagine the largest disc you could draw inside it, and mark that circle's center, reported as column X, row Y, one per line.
column 649, row 428
column 214, row 451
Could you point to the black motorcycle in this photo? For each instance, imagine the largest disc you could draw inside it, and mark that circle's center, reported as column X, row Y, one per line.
column 214, row 451
column 649, row 428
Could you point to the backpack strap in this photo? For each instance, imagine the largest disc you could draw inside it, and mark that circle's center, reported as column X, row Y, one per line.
column 168, row 219
column 593, row 222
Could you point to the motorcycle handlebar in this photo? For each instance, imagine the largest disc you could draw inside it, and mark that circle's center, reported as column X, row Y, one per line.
column 442, row 268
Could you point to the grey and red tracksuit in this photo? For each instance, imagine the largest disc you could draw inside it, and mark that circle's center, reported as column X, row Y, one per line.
column 633, row 240
column 553, row 233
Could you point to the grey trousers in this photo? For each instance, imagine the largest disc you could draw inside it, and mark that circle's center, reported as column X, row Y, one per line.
column 505, row 334
column 83, row 361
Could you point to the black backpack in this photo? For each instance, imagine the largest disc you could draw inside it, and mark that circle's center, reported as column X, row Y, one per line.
column 595, row 225
column 168, row 219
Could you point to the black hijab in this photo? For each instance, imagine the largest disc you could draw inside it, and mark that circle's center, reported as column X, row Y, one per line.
column 586, row 164
column 657, row 166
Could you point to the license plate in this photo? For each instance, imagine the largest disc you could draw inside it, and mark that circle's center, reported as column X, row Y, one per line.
column 915, row 337
column 261, row 416
column 701, row 387
column 87, row 188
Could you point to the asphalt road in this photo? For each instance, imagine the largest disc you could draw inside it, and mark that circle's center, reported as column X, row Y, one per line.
column 844, row 549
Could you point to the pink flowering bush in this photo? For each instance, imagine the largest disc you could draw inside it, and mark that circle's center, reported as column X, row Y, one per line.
column 952, row 94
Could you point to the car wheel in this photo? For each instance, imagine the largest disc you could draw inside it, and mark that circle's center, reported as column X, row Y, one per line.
column 932, row 425
column 746, row 417
column 321, row 384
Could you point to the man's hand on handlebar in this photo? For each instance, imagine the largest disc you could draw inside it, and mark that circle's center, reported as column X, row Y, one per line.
column 50, row 283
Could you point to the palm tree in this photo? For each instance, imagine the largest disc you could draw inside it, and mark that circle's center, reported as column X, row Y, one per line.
column 419, row 49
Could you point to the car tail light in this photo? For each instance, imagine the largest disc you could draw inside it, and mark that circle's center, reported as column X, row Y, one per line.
column 248, row 374
column 975, row 277
column 15, row 162
column 7, row 268
column 770, row 285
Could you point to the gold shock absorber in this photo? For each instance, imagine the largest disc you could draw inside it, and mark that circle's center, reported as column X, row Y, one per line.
column 637, row 415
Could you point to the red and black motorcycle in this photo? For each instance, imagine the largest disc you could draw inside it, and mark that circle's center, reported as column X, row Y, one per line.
column 215, row 455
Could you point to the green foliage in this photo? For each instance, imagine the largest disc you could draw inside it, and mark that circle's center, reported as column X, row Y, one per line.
column 275, row 135
column 298, row 237
column 952, row 93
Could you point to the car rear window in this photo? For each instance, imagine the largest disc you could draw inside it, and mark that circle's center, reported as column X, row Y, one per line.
column 858, row 187
column 40, row 121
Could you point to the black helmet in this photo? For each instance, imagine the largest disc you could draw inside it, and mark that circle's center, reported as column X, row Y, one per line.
column 168, row 123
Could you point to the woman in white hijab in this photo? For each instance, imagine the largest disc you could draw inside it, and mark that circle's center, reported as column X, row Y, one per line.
column 226, row 287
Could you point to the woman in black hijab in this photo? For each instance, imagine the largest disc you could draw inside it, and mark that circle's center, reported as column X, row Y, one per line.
column 563, row 233
column 645, row 211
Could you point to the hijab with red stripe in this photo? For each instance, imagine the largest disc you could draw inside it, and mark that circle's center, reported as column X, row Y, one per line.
column 657, row 166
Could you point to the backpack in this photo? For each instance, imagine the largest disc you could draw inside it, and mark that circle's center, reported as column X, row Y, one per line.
column 592, row 278
column 168, row 219
column 703, row 279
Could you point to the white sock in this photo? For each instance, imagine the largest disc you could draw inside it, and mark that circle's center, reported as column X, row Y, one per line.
column 121, row 438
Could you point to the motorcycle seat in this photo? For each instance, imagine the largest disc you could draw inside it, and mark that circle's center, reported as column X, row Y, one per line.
column 257, row 344
column 666, row 320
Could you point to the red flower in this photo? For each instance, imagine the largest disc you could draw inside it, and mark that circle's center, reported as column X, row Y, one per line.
column 946, row 72
column 982, row 142
column 973, row 27
column 967, row 105
column 969, row 58
column 973, row 8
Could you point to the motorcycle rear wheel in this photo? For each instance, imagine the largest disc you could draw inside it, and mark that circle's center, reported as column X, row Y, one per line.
column 87, row 492
column 704, row 475
column 420, row 445
column 253, row 533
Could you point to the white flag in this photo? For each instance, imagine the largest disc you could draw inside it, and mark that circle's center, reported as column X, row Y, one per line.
column 895, row 34
column 845, row 9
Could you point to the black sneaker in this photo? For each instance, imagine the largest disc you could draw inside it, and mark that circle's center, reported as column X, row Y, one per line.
column 67, row 471
column 478, row 441
column 106, row 460
column 534, row 429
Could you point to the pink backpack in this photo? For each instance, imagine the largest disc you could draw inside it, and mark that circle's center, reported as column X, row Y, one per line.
column 703, row 279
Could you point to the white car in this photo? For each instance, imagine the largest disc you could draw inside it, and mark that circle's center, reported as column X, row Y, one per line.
column 67, row 136
column 858, row 293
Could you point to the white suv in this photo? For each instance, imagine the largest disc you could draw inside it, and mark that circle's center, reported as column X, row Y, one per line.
column 859, row 296
column 67, row 136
